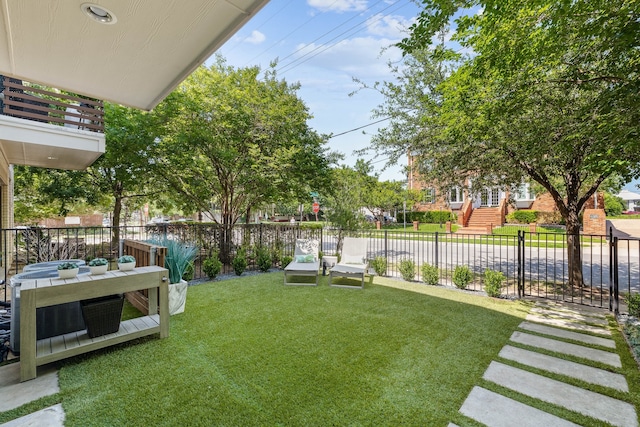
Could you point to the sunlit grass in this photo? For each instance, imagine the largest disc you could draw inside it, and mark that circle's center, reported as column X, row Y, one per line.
column 251, row 351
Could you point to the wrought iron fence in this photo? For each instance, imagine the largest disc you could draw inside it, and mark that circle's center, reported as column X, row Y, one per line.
column 534, row 264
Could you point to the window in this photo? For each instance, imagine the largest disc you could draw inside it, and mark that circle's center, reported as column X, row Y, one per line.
column 455, row 195
column 524, row 192
column 428, row 195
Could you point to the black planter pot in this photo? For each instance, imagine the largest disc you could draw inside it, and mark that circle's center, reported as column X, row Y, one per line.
column 102, row 315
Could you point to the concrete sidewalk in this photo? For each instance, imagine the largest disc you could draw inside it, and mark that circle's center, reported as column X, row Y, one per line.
column 581, row 334
column 16, row 394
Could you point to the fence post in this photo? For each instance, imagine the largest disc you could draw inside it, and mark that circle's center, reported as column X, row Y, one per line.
column 616, row 296
column 436, row 254
column 385, row 243
column 610, row 237
column 520, row 283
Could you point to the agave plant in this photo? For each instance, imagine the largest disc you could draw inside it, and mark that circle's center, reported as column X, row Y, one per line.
column 179, row 257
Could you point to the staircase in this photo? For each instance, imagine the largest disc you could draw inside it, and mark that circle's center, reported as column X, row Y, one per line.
column 480, row 220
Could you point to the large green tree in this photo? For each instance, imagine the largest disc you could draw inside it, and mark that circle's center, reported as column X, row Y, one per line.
column 548, row 93
column 123, row 172
column 235, row 141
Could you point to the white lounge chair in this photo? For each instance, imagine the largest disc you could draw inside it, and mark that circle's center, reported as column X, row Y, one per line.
column 305, row 262
column 353, row 262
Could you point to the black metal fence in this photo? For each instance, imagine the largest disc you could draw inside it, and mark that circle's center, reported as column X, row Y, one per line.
column 534, row 264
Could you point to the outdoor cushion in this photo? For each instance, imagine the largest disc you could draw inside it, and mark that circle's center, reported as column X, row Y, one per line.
column 305, row 258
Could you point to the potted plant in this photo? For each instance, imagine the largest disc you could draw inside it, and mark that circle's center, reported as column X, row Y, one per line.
column 68, row 270
column 98, row 266
column 126, row 263
column 179, row 257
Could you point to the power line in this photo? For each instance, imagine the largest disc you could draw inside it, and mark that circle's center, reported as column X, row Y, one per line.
column 301, row 60
column 360, row 127
column 290, row 32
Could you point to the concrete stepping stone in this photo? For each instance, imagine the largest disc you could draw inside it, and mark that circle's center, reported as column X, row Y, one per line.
column 52, row 416
column 595, row 405
column 565, row 367
column 582, row 310
column 15, row 393
column 561, row 333
column 576, row 317
column 564, row 323
column 593, row 354
column 495, row 410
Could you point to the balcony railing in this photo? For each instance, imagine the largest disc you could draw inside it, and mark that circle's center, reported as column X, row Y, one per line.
column 28, row 101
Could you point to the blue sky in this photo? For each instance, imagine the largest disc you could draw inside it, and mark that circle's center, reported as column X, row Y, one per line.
column 323, row 45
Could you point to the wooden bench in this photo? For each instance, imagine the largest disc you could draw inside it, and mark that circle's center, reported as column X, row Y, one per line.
column 46, row 292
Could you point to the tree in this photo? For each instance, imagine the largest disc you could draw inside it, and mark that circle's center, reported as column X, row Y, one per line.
column 549, row 95
column 379, row 196
column 236, row 142
column 344, row 201
column 41, row 193
column 123, row 172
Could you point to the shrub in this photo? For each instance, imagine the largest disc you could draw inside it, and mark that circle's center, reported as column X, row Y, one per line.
column 408, row 269
column 429, row 217
column 212, row 265
column 379, row 265
column 286, row 260
column 430, row 274
column 493, row 282
column 239, row 262
column 189, row 272
column 263, row 259
column 633, row 302
column 522, row 217
column 462, row 276
column 613, row 205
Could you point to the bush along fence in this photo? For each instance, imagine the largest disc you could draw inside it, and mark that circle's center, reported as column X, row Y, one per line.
column 531, row 264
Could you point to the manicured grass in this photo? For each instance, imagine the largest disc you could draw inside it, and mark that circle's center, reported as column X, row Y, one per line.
column 250, row 351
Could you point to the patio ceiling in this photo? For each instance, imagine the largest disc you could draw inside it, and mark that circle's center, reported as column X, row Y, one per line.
column 137, row 59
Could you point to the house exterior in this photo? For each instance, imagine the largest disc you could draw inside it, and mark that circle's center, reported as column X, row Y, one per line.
column 631, row 200
column 480, row 212
column 130, row 52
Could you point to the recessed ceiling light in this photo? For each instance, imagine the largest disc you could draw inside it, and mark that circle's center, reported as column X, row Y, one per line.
column 98, row 13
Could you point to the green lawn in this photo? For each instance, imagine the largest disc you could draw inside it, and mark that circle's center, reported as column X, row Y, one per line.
column 250, row 351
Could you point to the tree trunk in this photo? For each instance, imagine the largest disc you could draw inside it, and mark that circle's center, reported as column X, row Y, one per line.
column 115, row 225
column 574, row 251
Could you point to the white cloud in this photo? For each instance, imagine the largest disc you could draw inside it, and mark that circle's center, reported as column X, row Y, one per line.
column 359, row 57
column 338, row 5
column 390, row 26
column 256, row 37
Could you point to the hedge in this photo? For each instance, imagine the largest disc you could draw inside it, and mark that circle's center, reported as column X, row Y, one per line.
column 429, row 217
column 522, row 217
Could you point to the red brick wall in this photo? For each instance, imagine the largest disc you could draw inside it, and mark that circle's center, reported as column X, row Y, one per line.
column 94, row 220
column 594, row 222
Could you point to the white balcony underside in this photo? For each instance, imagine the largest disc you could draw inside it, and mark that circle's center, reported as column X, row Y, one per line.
column 31, row 143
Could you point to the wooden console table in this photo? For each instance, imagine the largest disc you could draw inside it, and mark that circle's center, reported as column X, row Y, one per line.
column 46, row 292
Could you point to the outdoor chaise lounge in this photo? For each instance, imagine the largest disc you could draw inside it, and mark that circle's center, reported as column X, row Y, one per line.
column 353, row 262
column 305, row 263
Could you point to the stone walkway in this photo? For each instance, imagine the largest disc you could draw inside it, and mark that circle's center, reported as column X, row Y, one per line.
column 576, row 332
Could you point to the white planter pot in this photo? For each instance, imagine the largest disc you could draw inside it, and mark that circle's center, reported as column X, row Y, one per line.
column 98, row 269
column 177, row 297
column 68, row 274
column 127, row 266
